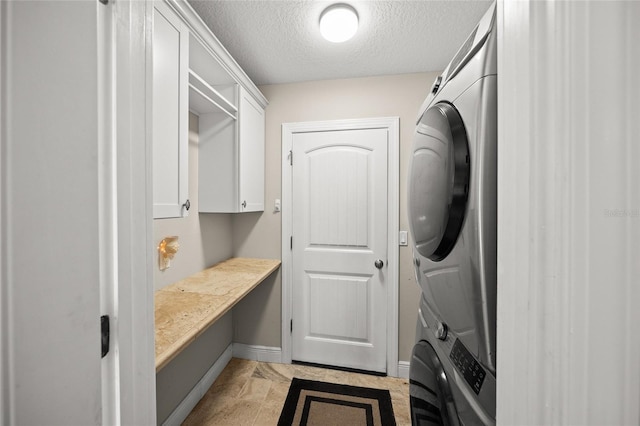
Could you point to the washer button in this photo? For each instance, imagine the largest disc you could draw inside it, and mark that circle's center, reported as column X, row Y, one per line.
column 442, row 330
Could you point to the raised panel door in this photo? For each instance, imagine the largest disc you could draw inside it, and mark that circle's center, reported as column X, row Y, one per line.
column 339, row 232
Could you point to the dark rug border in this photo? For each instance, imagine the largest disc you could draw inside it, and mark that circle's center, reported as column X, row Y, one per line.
column 297, row 385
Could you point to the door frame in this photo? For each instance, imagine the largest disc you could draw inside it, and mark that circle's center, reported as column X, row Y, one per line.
column 392, row 125
column 125, row 222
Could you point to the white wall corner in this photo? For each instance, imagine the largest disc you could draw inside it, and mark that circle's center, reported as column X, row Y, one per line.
column 403, row 369
column 189, row 402
column 257, row 353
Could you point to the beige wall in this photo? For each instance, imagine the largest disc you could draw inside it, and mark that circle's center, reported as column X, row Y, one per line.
column 205, row 239
column 257, row 319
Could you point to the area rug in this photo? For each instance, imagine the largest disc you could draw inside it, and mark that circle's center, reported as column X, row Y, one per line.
column 328, row 404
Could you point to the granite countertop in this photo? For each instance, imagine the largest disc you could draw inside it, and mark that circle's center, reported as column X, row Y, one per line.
column 185, row 309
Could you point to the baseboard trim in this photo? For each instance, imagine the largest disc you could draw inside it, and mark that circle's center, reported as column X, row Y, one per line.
column 403, row 369
column 189, row 402
column 257, row 353
column 274, row 354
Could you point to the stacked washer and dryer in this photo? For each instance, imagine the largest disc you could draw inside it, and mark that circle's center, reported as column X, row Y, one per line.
column 452, row 215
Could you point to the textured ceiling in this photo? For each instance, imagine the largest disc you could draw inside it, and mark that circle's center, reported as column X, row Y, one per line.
column 278, row 41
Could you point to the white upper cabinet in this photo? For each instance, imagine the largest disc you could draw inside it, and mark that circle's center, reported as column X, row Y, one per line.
column 170, row 113
column 231, row 157
column 193, row 72
column 251, row 154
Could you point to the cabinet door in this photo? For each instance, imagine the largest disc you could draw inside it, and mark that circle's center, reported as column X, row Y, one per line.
column 170, row 113
column 251, row 147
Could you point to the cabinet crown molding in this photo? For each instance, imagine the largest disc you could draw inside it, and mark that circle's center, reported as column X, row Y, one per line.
column 201, row 31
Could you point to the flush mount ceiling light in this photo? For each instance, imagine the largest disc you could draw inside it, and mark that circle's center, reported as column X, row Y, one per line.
column 338, row 23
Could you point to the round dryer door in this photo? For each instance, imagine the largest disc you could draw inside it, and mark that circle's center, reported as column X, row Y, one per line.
column 431, row 399
column 438, row 181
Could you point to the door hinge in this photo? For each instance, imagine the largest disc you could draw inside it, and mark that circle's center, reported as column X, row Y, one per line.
column 291, row 328
column 291, row 157
column 104, row 331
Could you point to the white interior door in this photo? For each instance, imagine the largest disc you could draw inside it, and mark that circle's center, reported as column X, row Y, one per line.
column 339, row 232
column 50, row 208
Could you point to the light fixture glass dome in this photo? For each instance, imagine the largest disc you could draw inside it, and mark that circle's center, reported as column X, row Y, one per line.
column 338, row 23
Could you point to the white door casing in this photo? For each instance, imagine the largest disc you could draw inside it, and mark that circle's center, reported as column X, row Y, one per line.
column 339, row 228
column 50, row 206
column 352, row 271
column 568, row 330
column 75, row 208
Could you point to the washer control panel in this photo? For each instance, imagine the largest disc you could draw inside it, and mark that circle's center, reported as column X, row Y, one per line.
column 471, row 370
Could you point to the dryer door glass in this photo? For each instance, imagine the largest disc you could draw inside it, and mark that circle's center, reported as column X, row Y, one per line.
column 438, row 181
column 430, row 394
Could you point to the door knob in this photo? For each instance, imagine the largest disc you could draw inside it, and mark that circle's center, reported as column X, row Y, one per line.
column 379, row 264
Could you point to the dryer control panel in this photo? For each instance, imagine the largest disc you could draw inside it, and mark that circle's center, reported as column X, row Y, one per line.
column 471, row 370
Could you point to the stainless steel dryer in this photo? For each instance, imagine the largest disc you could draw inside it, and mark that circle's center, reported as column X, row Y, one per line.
column 452, row 216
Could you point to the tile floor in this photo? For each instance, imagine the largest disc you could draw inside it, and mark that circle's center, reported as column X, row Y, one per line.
column 253, row 393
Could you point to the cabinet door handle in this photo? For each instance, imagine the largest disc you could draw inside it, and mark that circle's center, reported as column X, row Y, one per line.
column 244, row 204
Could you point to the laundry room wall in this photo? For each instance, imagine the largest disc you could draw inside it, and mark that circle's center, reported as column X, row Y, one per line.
column 205, row 239
column 257, row 318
